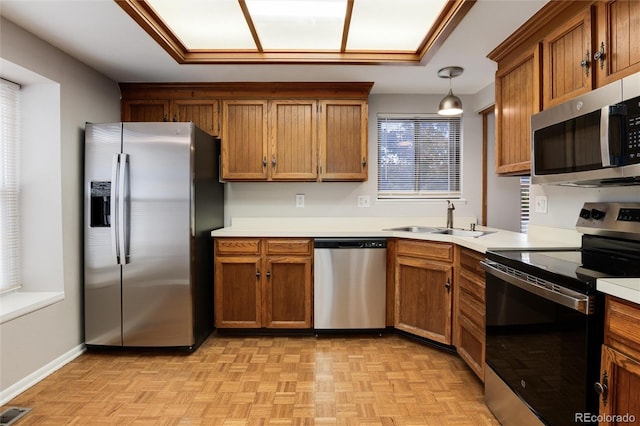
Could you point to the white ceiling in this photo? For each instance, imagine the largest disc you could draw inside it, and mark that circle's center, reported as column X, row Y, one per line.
column 102, row 35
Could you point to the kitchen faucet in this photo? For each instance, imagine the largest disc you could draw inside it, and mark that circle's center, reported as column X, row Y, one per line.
column 450, row 209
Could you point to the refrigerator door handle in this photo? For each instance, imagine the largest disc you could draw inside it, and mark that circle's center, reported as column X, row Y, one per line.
column 115, row 221
column 123, row 201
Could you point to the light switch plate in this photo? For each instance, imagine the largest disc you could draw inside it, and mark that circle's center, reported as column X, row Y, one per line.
column 364, row 201
column 299, row 200
column 541, row 204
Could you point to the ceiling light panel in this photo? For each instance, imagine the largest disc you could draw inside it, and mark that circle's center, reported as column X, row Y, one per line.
column 296, row 25
column 203, row 24
column 399, row 25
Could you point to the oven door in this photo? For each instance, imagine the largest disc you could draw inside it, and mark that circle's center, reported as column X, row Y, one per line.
column 540, row 344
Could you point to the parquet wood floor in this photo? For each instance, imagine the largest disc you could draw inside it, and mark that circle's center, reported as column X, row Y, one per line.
column 232, row 381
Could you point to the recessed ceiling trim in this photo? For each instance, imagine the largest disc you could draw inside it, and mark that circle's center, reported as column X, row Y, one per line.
column 347, row 23
column 145, row 16
column 252, row 27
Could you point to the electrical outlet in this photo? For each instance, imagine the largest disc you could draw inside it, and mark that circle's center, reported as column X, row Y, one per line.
column 299, row 200
column 541, row 204
column 364, row 201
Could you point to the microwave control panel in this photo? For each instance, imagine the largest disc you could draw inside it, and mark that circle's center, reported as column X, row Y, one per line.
column 633, row 129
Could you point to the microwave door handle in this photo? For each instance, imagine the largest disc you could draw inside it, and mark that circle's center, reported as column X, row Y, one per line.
column 605, row 151
column 565, row 297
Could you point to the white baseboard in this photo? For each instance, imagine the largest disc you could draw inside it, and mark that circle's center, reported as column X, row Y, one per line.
column 14, row 390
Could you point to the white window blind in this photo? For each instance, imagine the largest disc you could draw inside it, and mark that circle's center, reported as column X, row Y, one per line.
column 9, row 231
column 418, row 156
column 525, row 184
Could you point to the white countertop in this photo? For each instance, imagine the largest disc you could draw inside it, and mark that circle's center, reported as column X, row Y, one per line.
column 315, row 227
column 624, row 288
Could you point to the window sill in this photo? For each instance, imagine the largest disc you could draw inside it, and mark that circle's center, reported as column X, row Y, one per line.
column 19, row 303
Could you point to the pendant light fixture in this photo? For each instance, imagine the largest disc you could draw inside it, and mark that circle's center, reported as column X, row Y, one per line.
column 450, row 104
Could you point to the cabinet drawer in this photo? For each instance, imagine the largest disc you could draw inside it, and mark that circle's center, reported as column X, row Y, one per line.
column 470, row 261
column 472, row 285
column 621, row 329
column 231, row 246
column 289, row 246
column 426, row 250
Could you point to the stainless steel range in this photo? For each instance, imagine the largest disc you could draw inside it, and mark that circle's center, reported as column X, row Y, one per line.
column 544, row 319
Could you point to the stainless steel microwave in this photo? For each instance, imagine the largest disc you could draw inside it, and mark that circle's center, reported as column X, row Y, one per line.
column 591, row 140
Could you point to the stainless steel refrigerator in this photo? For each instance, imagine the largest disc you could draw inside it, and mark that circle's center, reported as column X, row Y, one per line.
column 152, row 196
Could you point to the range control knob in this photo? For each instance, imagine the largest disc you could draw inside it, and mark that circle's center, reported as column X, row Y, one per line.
column 585, row 213
column 597, row 214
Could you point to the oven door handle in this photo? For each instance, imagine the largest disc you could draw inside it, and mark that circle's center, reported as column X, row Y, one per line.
column 555, row 293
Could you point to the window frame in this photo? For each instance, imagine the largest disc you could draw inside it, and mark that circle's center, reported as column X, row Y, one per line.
column 453, row 179
column 10, row 255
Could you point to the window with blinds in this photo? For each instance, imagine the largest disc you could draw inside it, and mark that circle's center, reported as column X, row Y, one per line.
column 9, row 136
column 418, row 156
column 525, row 184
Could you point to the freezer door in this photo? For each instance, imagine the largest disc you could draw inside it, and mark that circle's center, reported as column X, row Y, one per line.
column 102, row 309
column 157, row 307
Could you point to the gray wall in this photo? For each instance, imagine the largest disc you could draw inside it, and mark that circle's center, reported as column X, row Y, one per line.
column 30, row 342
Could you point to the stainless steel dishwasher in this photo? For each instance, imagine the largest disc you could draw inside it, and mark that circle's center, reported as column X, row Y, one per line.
column 349, row 283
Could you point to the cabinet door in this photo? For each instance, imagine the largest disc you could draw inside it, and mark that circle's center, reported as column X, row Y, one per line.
column 423, row 298
column 146, row 110
column 343, row 140
column 619, row 38
column 294, row 140
column 622, row 376
column 204, row 113
column 567, row 70
column 287, row 292
column 238, row 295
column 244, row 140
column 517, row 97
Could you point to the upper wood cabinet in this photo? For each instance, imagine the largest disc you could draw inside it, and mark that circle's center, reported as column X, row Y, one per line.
column 343, row 140
column 269, row 131
column 517, row 97
column 580, row 45
column 567, row 64
column 617, row 45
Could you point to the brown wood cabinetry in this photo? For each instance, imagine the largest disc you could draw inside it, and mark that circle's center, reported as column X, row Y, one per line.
column 423, row 289
column 203, row 113
column 269, row 140
column 517, row 97
column 469, row 309
column 343, row 140
column 620, row 365
column 566, row 49
column 567, row 60
column 269, row 131
column 617, row 44
column 263, row 283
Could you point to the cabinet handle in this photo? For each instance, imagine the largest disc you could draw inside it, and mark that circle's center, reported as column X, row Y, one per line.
column 165, row 119
column 447, row 285
column 175, row 119
column 600, row 55
column 585, row 63
column 264, row 162
column 268, row 274
column 602, row 389
column 364, row 163
column 258, row 273
column 273, row 161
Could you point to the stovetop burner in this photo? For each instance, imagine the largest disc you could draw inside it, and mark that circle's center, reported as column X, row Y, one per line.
column 610, row 248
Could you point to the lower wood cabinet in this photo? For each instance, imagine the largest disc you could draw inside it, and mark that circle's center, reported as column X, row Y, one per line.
column 263, row 282
column 423, row 289
column 620, row 365
column 469, row 309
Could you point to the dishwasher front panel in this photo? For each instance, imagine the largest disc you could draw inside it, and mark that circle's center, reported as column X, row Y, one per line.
column 350, row 285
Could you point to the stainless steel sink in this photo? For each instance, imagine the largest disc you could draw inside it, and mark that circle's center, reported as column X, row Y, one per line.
column 447, row 231
column 425, row 229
